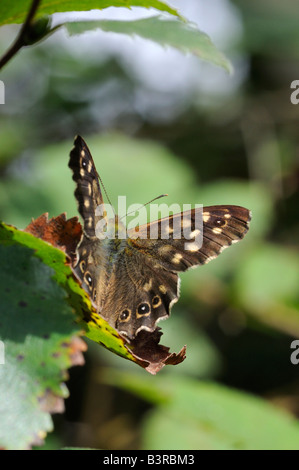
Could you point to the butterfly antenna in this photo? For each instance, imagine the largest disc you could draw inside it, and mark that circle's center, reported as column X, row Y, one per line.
column 108, row 198
column 149, row 202
column 155, row 198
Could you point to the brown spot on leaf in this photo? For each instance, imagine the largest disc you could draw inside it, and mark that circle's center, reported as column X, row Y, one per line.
column 56, row 354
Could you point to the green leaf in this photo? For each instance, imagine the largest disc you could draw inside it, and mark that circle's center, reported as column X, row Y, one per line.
column 37, row 332
column 95, row 327
column 15, row 11
column 166, row 32
column 199, row 415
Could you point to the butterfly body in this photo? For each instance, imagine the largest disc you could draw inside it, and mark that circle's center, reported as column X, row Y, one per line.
column 132, row 277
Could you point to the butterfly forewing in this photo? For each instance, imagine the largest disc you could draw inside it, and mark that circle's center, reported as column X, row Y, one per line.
column 90, row 264
column 221, row 226
column 88, row 191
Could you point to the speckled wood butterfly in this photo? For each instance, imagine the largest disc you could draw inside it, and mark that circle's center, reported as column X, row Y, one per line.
column 133, row 281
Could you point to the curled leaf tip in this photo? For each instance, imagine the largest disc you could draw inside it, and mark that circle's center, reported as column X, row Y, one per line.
column 150, row 354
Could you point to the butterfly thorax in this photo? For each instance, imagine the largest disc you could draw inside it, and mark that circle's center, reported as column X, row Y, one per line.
column 96, row 262
column 110, row 229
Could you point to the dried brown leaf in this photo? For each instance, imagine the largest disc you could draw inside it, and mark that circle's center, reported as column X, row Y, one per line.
column 60, row 232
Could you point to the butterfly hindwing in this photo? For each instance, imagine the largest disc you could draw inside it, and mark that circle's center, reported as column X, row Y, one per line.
column 141, row 293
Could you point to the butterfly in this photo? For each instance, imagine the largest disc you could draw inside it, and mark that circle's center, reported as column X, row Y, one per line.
column 133, row 281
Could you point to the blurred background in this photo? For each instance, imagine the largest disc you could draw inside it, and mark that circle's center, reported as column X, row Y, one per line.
column 157, row 122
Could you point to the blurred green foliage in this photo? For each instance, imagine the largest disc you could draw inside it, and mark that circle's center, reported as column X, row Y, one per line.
column 37, row 330
column 232, row 142
column 200, row 415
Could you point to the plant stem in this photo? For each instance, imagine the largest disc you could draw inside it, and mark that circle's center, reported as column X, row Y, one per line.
column 19, row 42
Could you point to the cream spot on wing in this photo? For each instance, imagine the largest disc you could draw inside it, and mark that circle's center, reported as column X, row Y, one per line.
column 82, row 153
column 162, row 289
column 206, row 216
column 82, row 172
column 217, row 230
column 86, row 203
column 227, row 216
column 177, row 258
column 90, row 259
column 89, row 168
column 148, row 285
column 194, row 233
column 163, row 250
column 89, row 189
column 191, row 247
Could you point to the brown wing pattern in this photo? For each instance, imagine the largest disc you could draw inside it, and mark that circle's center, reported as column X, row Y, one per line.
column 88, row 191
column 222, row 226
column 143, row 293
